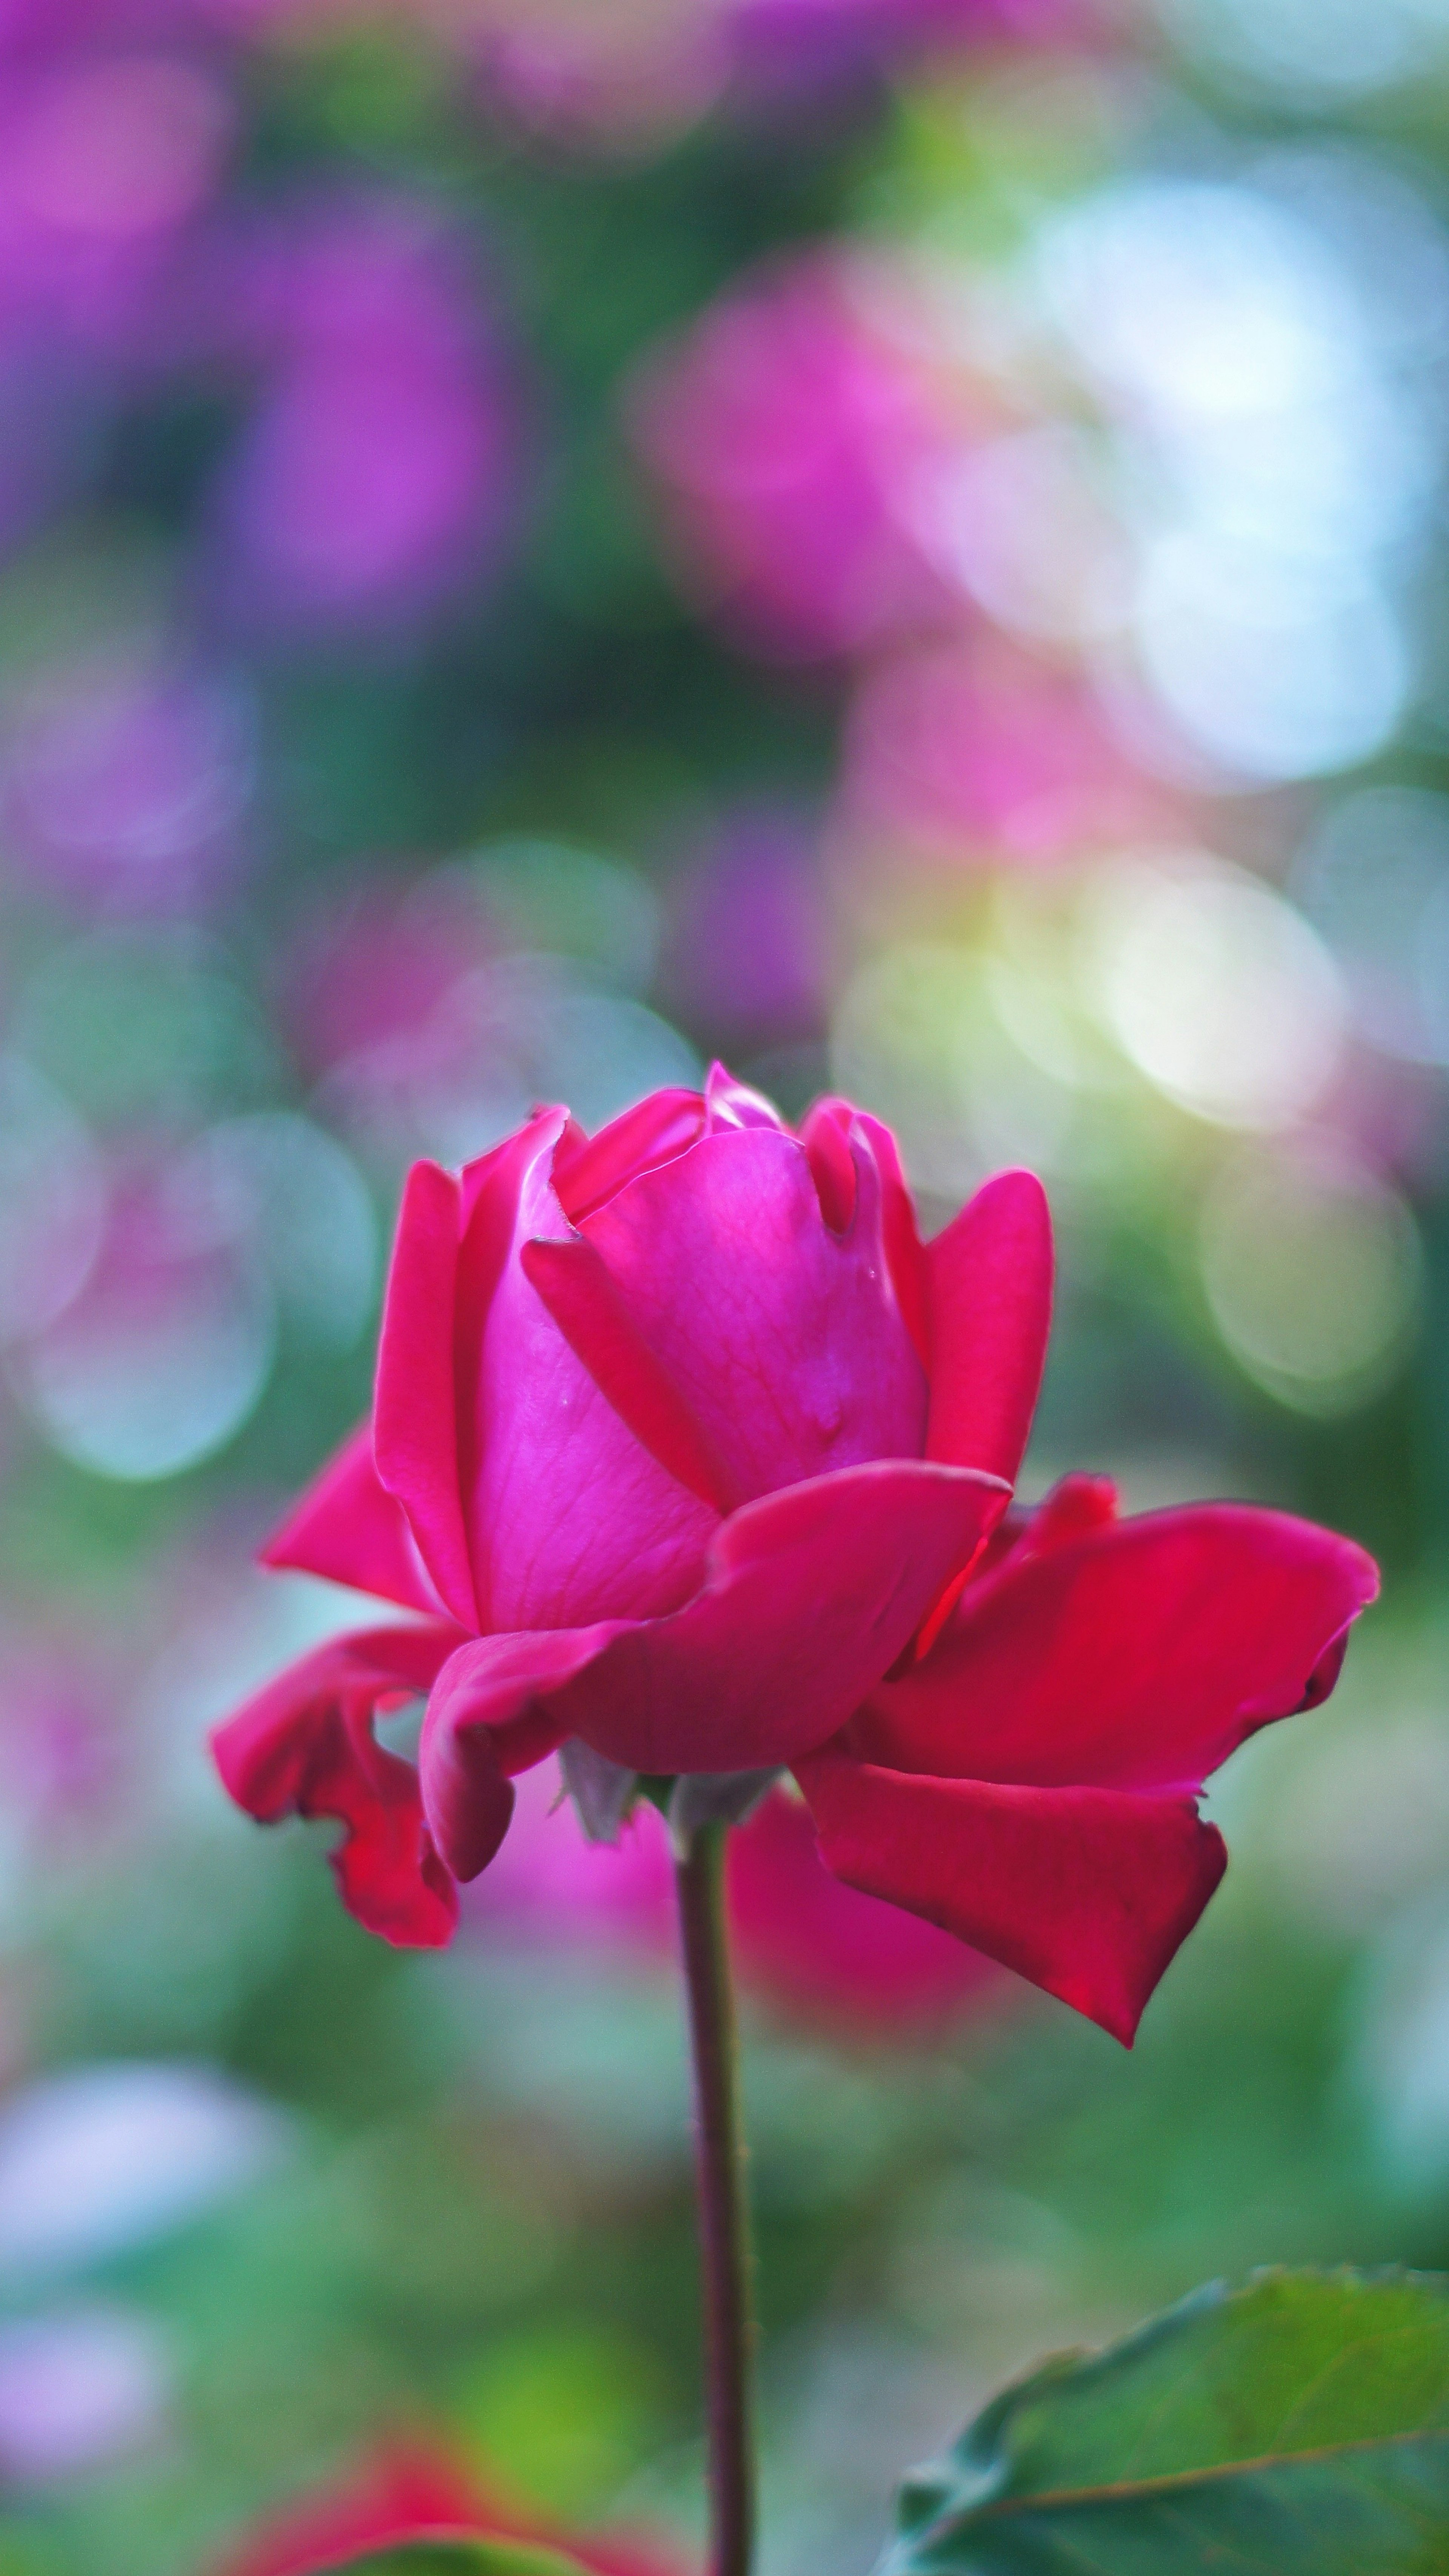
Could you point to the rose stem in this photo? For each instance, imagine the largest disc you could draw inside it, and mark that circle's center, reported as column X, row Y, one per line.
column 723, row 2217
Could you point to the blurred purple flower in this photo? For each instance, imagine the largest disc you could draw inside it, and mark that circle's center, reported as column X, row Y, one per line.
column 377, row 474
column 125, row 781
column 745, row 952
column 107, row 157
column 80, row 2389
column 621, row 76
column 801, row 47
column 165, row 1349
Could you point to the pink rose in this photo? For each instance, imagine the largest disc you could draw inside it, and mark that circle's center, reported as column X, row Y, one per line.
column 404, row 2494
column 687, row 1450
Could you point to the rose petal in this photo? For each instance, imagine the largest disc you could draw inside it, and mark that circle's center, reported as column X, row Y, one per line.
column 728, row 1102
column 494, row 1710
column 581, row 1296
column 1136, row 1656
column 832, row 1164
column 586, row 1171
column 904, row 1250
column 990, row 1290
column 807, row 1593
column 348, row 1528
column 1088, row 1892
column 415, row 1428
column 570, row 1519
column 305, row 1747
column 784, row 1339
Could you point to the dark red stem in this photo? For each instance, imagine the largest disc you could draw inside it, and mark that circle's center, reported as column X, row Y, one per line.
column 723, row 2216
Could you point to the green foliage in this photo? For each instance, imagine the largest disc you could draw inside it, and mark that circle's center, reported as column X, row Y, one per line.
column 1296, row 2427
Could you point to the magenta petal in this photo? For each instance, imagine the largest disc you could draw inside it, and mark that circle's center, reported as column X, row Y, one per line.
column 990, row 1287
column 305, row 1746
column 904, row 1250
column 784, row 1339
column 809, row 1596
column 728, row 1102
column 1138, row 1655
column 1088, row 1892
column 588, row 1170
column 415, row 1430
column 350, row 1529
column 494, row 1710
column 570, row 1518
column 584, row 1302
column 825, row 1138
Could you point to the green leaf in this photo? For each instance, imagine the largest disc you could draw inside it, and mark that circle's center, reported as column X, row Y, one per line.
column 1296, row 2427
column 449, row 2557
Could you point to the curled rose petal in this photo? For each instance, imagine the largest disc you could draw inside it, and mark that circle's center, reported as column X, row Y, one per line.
column 494, row 1709
column 589, row 1169
column 305, row 1746
column 1088, row 1892
column 348, row 1528
column 905, row 1253
column 1137, row 1655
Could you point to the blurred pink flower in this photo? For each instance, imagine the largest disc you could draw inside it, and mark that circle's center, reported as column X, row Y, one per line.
column 406, row 2492
column 805, row 1944
column 377, row 474
column 826, row 1954
column 364, row 975
column 784, row 431
column 981, row 754
column 617, row 77
column 63, row 1757
column 552, row 1886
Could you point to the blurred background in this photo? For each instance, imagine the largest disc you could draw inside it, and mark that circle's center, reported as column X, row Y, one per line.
column 902, row 542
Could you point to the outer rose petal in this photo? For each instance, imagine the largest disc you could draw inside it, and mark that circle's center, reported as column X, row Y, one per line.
column 784, row 1339
column 1137, row 1656
column 1088, row 1892
column 415, row 1417
column 350, row 1529
column 990, row 1285
column 305, row 1746
column 809, row 1595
